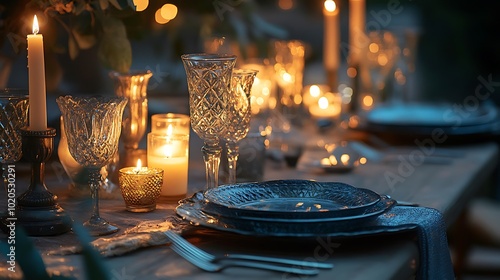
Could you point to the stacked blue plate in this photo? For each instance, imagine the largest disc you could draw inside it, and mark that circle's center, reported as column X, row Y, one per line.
column 285, row 208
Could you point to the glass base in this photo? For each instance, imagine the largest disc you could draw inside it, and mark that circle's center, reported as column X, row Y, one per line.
column 99, row 226
column 140, row 208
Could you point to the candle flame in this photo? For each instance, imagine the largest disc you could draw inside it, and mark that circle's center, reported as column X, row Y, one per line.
column 330, row 5
column 323, row 102
column 287, row 77
column 344, row 158
column 137, row 169
column 168, row 150
column 329, row 161
column 35, row 25
column 170, row 130
column 314, row 91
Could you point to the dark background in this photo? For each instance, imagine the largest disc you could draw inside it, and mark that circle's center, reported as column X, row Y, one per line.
column 458, row 42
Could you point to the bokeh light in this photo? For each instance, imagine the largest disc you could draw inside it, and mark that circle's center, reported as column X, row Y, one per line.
column 169, row 11
column 141, row 5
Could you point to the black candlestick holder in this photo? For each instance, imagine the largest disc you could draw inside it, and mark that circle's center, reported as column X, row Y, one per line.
column 37, row 209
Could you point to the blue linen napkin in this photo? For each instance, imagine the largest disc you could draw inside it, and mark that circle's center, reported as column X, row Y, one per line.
column 435, row 259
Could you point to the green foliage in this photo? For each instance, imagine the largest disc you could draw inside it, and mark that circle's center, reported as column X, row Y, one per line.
column 115, row 51
column 33, row 267
column 28, row 257
column 91, row 22
column 94, row 263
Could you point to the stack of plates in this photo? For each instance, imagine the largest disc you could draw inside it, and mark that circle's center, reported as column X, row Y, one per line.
column 418, row 119
column 285, row 208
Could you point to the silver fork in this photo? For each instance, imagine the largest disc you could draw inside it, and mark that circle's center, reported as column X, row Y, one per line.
column 215, row 267
column 181, row 242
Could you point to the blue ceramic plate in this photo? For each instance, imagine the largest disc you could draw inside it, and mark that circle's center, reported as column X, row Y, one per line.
column 288, row 200
column 191, row 209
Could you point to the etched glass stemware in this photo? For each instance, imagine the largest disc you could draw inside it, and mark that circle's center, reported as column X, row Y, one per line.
column 381, row 56
column 239, row 115
column 93, row 127
column 13, row 116
column 209, row 83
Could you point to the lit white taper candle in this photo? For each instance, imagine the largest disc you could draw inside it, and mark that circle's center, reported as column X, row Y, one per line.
column 36, row 71
column 331, row 50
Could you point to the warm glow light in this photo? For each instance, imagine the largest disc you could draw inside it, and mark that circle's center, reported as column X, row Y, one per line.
column 323, row 102
column 344, row 158
column 314, row 91
column 35, row 25
column 362, row 160
column 170, row 130
column 266, row 91
column 373, row 47
column 351, row 72
column 400, row 77
column 287, row 77
column 330, row 5
column 159, row 18
column 169, row 11
column 168, row 150
column 141, row 5
column 368, row 101
column 285, row 4
column 330, row 161
column 139, row 166
column 297, row 99
column 382, row 59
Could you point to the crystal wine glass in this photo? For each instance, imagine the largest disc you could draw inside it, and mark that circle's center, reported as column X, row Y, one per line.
column 239, row 115
column 13, row 116
column 209, row 83
column 93, row 127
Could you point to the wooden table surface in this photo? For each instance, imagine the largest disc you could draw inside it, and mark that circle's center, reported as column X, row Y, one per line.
column 447, row 187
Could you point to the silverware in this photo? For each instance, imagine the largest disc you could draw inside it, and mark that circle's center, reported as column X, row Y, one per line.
column 209, row 262
column 405, row 203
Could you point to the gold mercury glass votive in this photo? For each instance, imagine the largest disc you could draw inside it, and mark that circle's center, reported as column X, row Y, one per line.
column 140, row 187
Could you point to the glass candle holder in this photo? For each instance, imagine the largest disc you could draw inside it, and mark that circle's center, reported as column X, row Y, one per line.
column 168, row 149
column 179, row 124
column 312, row 93
column 140, row 187
column 328, row 106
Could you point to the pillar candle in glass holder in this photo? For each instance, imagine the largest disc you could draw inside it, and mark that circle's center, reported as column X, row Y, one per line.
column 312, row 93
column 168, row 149
column 327, row 107
column 140, row 187
column 36, row 73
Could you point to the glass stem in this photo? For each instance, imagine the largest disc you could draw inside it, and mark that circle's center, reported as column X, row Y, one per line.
column 232, row 159
column 94, row 184
column 211, row 156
